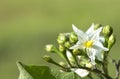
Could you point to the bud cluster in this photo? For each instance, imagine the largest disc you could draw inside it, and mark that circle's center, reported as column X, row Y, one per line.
column 109, row 36
column 76, row 58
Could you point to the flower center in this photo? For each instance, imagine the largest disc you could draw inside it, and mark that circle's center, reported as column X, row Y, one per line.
column 88, row 44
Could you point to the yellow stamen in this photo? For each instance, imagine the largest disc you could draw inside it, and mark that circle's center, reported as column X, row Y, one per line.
column 88, row 44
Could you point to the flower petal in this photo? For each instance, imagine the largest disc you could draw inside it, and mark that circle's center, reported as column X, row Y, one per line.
column 98, row 45
column 91, row 54
column 102, row 39
column 99, row 55
column 75, row 47
column 96, row 34
column 91, row 29
column 80, row 72
column 81, row 35
column 69, row 55
column 78, row 46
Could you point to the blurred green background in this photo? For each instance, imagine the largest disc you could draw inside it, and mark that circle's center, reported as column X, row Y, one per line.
column 26, row 26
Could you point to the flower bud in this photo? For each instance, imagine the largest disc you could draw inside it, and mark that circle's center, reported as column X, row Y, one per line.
column 61, row 48
column 89, row 65
column 63, row 64
column 48, row 58
column 49, row 48
column 107, row 30
column 61, row 39
column 67, row 44
column 111, row 41
column 97, row 26
column 76, row 52
column 73, row 38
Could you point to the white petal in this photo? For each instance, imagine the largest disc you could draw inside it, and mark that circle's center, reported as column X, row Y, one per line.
column 75, row 47
column 102, row 39
column 69, row 55
column 91, row 29
column 78, row 45
column 96, row 34
column 98, row 45
column 91, row 54
column 81, row 35
column 99, row 55
column 81, row 72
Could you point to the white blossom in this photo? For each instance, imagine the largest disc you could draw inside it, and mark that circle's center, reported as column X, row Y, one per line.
column 91, row 42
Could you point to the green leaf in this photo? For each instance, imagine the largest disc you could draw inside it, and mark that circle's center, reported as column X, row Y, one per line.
column 64, row 75
column 43, row 72
column 34, row 72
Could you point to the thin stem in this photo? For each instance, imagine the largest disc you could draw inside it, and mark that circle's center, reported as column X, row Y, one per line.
column 63, row 55
column 105, row 63
column 75, row 59
column 67, row 59
column 58, row 65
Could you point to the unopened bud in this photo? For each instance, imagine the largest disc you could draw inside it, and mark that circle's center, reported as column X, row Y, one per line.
column 107, row 30
column 76, row 52
column 63, row 64
column 61, row 39
column 111, row 41
column 49, row 48
column 97, row 26
column 61, row 48
column 48, row 58
column 89, row 65
column 73, row 38
column 67, row 44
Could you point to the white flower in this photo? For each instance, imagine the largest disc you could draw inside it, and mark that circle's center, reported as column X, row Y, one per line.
column 91, row 41
column 78, row 71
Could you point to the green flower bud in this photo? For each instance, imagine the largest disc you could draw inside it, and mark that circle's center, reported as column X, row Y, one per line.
column 63, row 64
column 48, row 59
column 107, row 30
column 61, row 48
column 73, row 38
column 97, row 26
column 61, row 39
column 89, row 65
column 111, row 41
column 67, row 44
column 49, row 48
column 76, row 52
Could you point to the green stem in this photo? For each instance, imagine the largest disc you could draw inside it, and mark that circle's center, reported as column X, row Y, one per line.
column 63, row 55
column 66, row 58
column 75, row 59
column 105, row 63
column 53, row 62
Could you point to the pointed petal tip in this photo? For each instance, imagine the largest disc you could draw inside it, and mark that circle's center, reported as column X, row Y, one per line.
column 18, row 63
column 106, row 49
column 71, row 47
column 73, row 26
column 93, row 23
column 81, row 72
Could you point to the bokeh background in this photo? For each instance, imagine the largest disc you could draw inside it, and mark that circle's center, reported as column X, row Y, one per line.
column 26, row 26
